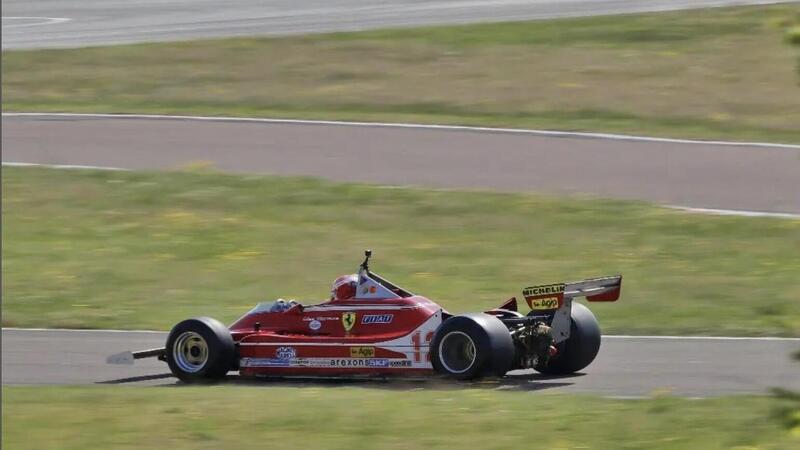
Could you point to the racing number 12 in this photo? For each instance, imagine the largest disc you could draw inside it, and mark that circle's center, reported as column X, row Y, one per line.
column 416, row 339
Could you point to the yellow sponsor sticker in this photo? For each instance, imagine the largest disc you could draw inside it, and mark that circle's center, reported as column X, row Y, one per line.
column 535, row 291
column 362, row 352
column 545, row 297
column 539, row 304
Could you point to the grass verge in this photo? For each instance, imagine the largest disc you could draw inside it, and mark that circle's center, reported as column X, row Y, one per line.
column 718, row 73
column 97, row 249
column 355, row 418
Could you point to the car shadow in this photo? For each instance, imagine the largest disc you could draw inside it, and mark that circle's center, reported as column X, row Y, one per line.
column 511, row 382
column 138, row 379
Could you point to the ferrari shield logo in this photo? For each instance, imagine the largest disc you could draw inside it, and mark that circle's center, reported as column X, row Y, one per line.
column 348, row 320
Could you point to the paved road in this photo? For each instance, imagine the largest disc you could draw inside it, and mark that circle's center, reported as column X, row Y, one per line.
column 77, row 23
column 696, row 175
column 625, row 366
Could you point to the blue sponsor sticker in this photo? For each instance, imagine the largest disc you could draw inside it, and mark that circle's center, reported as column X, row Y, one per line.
column 284, row 353
column 376, row 318
column 263, row 362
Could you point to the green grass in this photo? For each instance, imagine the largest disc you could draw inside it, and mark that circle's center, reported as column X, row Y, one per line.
column 719, row 73
column 359, row 418
column 95, row 249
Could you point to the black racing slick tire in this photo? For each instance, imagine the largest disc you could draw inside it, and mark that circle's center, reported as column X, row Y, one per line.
column 200, row 350
column 472, row 345
column 580, row 349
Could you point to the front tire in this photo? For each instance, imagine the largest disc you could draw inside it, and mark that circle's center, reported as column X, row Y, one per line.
column 581, row 348
column 200, row 350
column 470, row 346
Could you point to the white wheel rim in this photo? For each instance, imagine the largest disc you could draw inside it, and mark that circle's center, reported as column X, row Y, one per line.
column 190, row 352
column 460, row 347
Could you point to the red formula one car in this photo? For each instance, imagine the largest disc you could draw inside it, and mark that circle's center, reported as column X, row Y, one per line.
column 372, row 327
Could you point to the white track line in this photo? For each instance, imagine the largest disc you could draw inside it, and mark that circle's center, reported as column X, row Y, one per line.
column 717, row 212
column 41, row 21
column 734, row 212
column 573, row 134
column 704, row 338
column 62, row 166
column 605, row 336
column 77, row 330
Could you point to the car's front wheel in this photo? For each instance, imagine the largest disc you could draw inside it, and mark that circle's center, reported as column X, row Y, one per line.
column 200, row 350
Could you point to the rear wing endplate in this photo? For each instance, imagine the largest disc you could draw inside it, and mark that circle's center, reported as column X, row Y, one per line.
column 559, row 296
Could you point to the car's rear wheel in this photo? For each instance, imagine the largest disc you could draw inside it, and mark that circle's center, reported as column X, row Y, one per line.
column 200, row 350
column 457, row 352
column 582, row 346
column 469, row 346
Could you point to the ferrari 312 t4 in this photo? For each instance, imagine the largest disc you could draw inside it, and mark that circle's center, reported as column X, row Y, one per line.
column 372, row 327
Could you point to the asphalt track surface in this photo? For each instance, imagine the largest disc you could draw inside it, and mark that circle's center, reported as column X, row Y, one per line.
column 702, row 175
column 78, row 23
column 625, row 367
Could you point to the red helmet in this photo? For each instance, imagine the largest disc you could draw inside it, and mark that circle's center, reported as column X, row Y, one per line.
column 344, row 287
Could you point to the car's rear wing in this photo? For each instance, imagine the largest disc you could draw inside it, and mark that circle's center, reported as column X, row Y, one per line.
column 603, row 289
column 549, row 297
column 556, row 299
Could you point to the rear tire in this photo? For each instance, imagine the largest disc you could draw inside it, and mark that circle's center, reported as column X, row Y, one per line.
column 200, row 350
column 470, row 346
column 581, row 348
